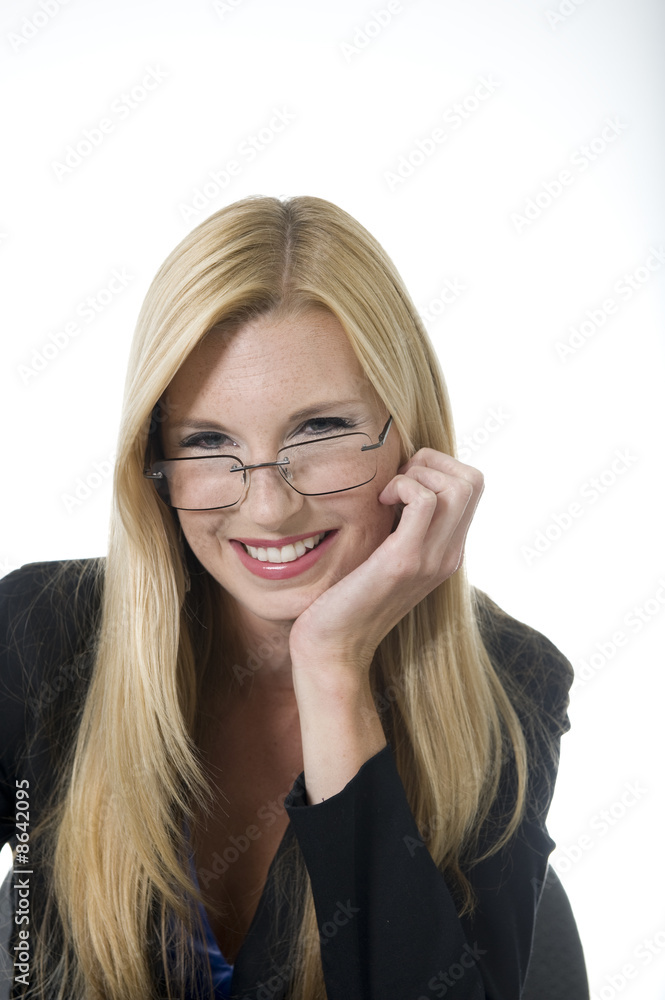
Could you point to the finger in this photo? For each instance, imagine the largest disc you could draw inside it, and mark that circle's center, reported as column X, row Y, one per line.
column 474, row 480
column 437, row 482
column 429, row 458
column 442, row 536
column 438, row 460
column 417, row 504
column 433, row 506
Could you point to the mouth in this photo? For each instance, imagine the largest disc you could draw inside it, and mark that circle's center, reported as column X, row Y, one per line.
column 297, row 557
column 285, row 553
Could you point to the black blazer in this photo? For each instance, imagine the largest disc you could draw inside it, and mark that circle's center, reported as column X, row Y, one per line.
column 388, row 922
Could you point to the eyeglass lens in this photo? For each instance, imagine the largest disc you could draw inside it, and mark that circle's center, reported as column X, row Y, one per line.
column 316, row 467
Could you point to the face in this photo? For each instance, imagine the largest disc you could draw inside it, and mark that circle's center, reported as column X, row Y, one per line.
column 242, row 394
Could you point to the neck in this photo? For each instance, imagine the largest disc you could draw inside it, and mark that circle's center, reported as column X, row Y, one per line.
column 257, row 659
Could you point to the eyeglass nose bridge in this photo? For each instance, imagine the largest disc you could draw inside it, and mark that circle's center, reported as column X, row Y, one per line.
column 259, row 465
column 281, row 462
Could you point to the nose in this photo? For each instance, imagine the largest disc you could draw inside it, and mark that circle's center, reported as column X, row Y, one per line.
column 268, row 499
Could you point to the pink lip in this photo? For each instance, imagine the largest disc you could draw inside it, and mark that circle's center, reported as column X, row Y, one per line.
column 283, row 571
column 276, row 543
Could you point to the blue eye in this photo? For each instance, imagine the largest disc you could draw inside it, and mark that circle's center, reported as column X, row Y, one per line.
column 328, row 424
column 216, row 441
column 208, row 440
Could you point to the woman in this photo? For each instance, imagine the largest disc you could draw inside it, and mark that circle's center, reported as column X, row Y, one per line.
column 280, row 746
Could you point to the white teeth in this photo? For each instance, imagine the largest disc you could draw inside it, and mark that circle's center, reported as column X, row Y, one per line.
column 287, row 553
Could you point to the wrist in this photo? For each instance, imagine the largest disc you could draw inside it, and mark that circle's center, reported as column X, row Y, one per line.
column 340, row 728
column 334, row 694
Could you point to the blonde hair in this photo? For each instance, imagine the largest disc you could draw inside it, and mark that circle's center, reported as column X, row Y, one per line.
column 119, row 856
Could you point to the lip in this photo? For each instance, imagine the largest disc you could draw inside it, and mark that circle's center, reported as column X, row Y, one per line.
column 279, row 543
column 284, row 571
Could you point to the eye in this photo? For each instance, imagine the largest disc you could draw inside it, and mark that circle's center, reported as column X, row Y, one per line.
column 208, row 441
column 322, row 425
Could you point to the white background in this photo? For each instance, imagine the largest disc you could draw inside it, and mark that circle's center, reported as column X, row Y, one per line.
column 556, row 73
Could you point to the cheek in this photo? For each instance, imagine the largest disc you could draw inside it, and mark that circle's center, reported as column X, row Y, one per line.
column 200, row 531
column 373, row 522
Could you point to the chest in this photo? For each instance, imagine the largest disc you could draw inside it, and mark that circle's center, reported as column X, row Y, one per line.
column 252, row 771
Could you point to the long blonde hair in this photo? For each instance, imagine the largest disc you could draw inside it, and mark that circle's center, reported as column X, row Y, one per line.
column 134, row 773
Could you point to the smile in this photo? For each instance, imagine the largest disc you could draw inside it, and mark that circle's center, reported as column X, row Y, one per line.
column 288, row 553
column 285, row 561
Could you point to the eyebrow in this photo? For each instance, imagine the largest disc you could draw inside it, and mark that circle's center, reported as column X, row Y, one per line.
column 308, row 411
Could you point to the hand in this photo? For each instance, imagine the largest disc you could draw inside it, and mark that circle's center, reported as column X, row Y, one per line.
column 438, row 496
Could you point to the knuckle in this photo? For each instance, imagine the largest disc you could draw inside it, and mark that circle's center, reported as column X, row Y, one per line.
column 407, row 566
column 426, row 499
column 410, row 565
column 450, row 565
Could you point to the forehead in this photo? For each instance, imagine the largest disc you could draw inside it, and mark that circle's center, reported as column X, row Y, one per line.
column 263, row 360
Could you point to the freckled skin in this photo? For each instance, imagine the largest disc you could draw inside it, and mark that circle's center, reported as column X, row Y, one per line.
column 251, row 381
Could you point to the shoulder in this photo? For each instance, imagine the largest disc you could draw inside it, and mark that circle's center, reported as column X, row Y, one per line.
column 48, row 617
column 534, row 672
column 45, row 579
column 49, row 612
column 47, row 607
column 536, row 677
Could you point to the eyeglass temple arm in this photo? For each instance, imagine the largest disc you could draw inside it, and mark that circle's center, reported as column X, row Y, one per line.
column 382, row 437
